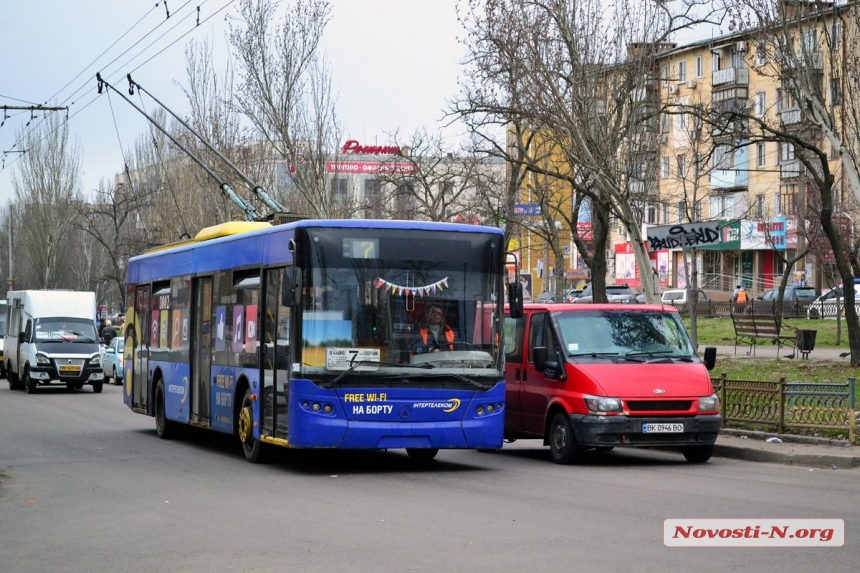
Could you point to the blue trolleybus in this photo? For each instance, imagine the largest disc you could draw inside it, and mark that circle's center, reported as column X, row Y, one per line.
column 311, row 335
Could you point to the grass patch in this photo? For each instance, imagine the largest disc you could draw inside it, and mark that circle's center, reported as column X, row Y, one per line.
column 720, row 332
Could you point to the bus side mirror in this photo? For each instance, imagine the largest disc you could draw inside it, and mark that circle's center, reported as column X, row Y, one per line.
column 515, row 299
column 291, row 286
column 710, row 357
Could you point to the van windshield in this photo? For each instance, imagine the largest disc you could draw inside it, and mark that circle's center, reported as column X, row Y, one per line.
column 623, row 333
column 65, row 329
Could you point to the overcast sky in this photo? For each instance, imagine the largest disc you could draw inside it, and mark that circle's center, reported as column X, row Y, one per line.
column 52, row 50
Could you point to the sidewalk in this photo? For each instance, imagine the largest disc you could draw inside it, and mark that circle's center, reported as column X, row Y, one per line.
column 792, row 450
column 768, row 351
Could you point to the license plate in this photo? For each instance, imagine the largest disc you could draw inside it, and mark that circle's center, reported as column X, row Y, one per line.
column 662, row 428
column 68, row 368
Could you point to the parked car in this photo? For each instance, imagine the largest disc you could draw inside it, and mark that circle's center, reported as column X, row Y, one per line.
column 112, row 360
column 792, row 294
column 581, row 378
column 571, row 294
column 678, row 296
column 825, row 306
column 614, row 293
column 546, row 296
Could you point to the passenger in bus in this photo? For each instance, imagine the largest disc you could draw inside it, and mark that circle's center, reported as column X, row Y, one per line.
column 434, row 335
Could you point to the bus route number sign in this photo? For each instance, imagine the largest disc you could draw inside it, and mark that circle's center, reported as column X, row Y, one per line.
column 366, row 359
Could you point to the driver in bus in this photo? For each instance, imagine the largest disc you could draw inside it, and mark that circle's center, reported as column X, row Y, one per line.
column 434, row 334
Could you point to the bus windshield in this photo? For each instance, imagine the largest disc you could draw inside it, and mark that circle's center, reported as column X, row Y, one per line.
column 402, row 306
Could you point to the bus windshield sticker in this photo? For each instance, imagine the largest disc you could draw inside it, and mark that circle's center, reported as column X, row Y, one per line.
column 367, row 359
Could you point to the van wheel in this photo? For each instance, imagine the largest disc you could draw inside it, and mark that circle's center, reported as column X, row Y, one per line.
column 698, row 454
column 562, row 442
column 255, row 452
column 97, row 387
column 13, row 380
column 422, row 455
column 29, row 383
column 164, row 427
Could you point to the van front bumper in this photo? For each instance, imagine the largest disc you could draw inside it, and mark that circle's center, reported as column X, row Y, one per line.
column 47, row 374
column 604, row 431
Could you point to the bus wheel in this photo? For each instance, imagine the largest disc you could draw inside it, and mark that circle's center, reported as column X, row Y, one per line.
column 165, row 428
column 254, row 451
column 422, row 455
column 29, row 383
column 562, row 442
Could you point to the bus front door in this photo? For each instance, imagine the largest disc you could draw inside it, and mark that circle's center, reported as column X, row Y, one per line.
column 138, row 338
column 201, row 350
column 275, row 359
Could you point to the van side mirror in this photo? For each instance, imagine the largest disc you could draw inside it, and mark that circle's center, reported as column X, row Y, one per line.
column 21, row 339
column 291, row 286
column 552, row 369
column 539, row 355
column 515, row 299
column 710, row 358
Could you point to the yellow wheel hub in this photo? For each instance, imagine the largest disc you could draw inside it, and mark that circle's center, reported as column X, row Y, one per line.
column 245, row 431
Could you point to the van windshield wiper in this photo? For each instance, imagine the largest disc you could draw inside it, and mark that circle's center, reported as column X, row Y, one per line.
column 595, row 354
column 82, row 335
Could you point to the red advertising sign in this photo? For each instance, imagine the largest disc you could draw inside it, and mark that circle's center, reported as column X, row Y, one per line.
column 368, row 167
column 353, row 146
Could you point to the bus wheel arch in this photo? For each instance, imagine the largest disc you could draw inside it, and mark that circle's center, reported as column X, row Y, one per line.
column 165, row 428
column 255, row 452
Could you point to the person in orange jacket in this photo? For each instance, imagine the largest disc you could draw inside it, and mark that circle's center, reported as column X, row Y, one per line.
column 434, row 334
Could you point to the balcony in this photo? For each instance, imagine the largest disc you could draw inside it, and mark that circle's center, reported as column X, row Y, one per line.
column 790, row 117
column 731, row 77
column 790, row 170
column 728, row 178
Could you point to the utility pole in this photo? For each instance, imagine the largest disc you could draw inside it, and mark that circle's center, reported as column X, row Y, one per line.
column 11, row 279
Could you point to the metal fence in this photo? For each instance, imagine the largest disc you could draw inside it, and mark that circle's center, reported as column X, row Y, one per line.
column 725, row 308
column 782, row 404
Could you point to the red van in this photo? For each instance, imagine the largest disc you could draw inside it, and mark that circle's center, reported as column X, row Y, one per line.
column 598, row 376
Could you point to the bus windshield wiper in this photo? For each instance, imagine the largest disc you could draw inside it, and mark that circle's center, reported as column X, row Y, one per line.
column 472, row 382
column 353, row 364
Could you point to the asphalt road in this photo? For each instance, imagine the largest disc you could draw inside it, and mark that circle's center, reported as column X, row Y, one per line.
column 86, row 485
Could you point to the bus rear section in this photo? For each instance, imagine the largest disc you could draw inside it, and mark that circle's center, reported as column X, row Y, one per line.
column 328, row 344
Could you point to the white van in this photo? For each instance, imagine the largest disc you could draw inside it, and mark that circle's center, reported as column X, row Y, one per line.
column 51, row 338
column 2, row 334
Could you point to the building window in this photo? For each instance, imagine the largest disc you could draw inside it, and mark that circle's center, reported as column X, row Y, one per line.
column 760, row 54
column 777, row 204
column 338, row 189
column 666, row 214
column 682, row 71
column 722, row 206
column 665, row 75
column 680, row 211
column 786, row 152
column 760, row 154
column 835, row 36
column 758, row 212
column 665, row 123
column 835, row 91
column 787, row 203
column 682, row 165
column 760, row 103
column 664, row 167
column 723, row 157
column 697, row 210
column 700, row 67
column 715, row 62
column 650, row 214
column 373, row 197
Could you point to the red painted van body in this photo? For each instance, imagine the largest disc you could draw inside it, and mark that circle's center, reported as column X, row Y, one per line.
column 600, row 376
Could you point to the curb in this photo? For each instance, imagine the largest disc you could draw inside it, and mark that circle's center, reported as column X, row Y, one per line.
column 787, row 458
column 793, row 450
column 791, row 438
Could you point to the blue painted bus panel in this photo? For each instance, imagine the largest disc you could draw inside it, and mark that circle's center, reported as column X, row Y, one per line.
column 177, row 406
column 395, row 417
column 223, row 395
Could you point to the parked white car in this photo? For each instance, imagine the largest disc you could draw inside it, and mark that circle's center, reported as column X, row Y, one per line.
column 677, row 297
column 825, row 306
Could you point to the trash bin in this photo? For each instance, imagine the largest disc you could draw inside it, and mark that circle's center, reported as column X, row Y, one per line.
column 806, row 341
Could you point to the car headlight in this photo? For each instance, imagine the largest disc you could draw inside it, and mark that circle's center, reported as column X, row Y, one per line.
column 598, row 404
column 42, row 360
column 709, row 403
column 96, row 360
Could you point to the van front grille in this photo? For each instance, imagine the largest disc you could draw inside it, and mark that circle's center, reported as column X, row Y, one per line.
column 659, row 405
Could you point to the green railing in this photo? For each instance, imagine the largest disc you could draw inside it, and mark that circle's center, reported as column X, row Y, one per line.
column 782, row 404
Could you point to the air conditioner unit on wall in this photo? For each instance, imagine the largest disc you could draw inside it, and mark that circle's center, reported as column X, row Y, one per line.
column 673, row 89
column 691, row 84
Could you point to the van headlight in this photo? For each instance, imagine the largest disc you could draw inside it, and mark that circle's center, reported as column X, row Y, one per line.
column 709, row 403
column 96, row 360
column 599, row 404
column 42, row 360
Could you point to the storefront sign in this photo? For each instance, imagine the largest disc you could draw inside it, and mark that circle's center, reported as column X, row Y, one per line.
column 354, row 147
column 368, row 167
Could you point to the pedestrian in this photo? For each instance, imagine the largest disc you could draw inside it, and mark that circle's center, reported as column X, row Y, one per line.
column 109, row 332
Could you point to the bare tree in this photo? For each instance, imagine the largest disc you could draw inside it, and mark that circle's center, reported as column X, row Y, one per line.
column 286, row 93
column 580, row 71
column 47, row 188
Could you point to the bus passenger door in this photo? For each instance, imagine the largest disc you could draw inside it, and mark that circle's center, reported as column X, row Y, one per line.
column 201, row 349
column 140, row 348
column 275, row 358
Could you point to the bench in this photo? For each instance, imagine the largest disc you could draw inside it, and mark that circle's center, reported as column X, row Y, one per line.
column 751, row 327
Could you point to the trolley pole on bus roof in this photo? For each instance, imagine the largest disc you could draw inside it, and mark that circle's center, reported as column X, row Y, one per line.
column 250, row 213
